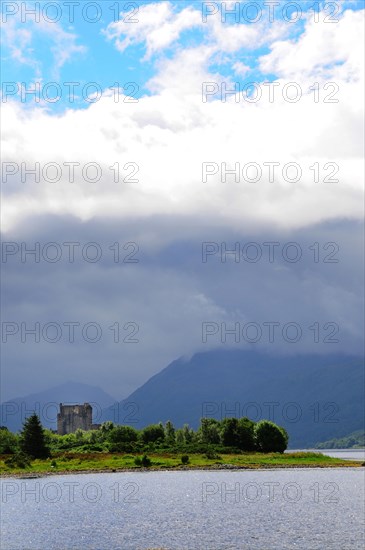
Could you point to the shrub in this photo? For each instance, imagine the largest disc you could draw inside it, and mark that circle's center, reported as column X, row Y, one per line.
column 185, row 459
column 270, row 438
column 8, row 442
column 144, row 461
column 212, row 455
column 18, row 460
column 153, row 433
column 121, row 447
column 88, row 447
column 209, row 431
column 122, row 434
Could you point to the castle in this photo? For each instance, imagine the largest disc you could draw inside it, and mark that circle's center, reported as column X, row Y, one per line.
column 74, row 417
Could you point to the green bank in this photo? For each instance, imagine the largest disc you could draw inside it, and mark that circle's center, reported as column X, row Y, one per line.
column 230, row 443
column 109, row 462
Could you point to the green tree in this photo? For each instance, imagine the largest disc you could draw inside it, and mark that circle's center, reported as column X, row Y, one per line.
column 188, row 434
column 52, row 440
column 32, row 438
column 93, row 436
column 180, row 437
column 230, row 432
column 122, row 439
column 246, row 434
column 153, row 433
column 123, row 434
column 106, row 427
column 8, row 441
column 270, row 438
column 209, row 431
column 79, row 434
column 170, row 437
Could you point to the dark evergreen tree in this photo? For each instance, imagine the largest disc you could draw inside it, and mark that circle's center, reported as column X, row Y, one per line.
column 32, row 438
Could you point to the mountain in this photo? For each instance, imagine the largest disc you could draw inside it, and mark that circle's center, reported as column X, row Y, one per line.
column 46, row 404
column 314, row 397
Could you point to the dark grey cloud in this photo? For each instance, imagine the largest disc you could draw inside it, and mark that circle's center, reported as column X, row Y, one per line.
column 168, row 295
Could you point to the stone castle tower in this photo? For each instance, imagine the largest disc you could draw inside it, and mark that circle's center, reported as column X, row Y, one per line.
column 74, row 417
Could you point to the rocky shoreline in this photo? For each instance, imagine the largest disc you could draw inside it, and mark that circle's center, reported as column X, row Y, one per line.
column 215, row 467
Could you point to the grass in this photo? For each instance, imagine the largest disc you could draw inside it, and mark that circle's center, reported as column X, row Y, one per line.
column 109, row 462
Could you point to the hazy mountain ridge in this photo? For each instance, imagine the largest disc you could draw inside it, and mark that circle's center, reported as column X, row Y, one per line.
column 355, row 440
column 315, row 397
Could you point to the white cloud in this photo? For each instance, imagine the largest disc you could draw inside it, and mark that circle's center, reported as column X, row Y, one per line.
column 170, row 134
column 230, row 38
column 323, row 51
column 26, row 40
column 18, row 40
column 240, row 68
column 158, row 25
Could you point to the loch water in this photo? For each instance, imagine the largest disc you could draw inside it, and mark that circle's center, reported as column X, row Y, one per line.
column 306, row 509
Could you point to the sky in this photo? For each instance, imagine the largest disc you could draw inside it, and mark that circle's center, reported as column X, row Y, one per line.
column 178, row 177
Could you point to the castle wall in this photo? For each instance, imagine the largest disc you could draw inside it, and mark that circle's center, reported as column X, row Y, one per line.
column 74, row 417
